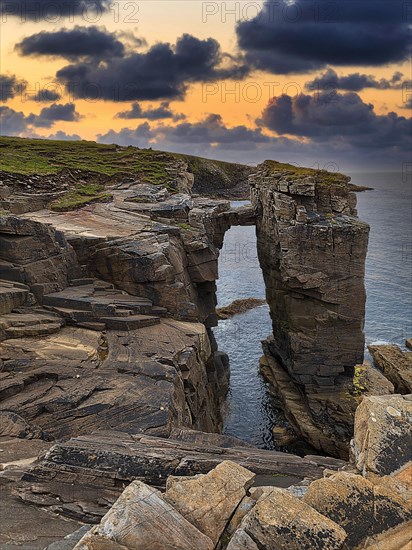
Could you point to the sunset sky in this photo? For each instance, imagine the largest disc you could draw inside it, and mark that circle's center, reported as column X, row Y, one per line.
column 315, row 82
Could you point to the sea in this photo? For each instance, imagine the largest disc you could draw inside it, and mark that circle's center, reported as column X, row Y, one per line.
column 250, row 411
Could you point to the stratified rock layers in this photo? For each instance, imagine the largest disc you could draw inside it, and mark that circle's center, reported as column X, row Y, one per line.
column 312, row 251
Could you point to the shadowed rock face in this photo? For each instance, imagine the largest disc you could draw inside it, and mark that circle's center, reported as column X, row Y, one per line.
column 312, row 251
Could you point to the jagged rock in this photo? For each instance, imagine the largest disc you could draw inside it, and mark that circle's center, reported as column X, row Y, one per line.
column 408, row 343
column 300, row 416
column 395, row 364
column 35, row 254
column 279, row 520
column 141, row 517
column 244, row 507
column 241, row 541
column 383, row 434
column 208, row 501
column 370, row 381
column 317, row 309
column 354, row 503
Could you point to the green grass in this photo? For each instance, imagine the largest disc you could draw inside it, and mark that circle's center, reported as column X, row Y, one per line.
column 81, row 196
column 322, row 177
column 41, row 156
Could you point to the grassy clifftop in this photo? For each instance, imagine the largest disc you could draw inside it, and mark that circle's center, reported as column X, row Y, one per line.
column 27, row 156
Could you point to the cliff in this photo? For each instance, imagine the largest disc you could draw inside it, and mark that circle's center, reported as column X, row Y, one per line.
column 312, row 251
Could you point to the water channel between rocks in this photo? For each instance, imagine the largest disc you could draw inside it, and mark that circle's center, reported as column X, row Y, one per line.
column 250, row 410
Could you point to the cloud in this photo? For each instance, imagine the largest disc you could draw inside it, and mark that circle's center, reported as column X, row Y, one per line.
column 46, row 95
column 301, row 36
column 72, row 44
column 10, row 86
column 60, row 135
column 345, row 122
column 354, row 82
column 162, row 72
column 211, row 131
column 49, row 115
column 37, row 10
column 16, row 123
column 12, row 123
column 153, row 113
column 312, row 130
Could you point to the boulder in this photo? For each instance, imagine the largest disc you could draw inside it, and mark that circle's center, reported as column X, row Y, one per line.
column 208, row 501
column 141, row 519
column 280, row 520
column 383, row 434
column 361, row 508
column 395, row 364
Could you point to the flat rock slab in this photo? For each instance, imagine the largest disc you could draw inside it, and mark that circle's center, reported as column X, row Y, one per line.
column 208, row 501
column 142, row 520
column 29, row 527
column 94, row 469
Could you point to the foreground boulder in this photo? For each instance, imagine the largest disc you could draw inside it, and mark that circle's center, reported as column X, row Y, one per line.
column 141, row 519
column 281, row 520
column 208, row 501
column 361, row 508
column 383, row 434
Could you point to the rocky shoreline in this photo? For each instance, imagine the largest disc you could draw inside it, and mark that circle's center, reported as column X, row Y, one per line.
column 111, row 379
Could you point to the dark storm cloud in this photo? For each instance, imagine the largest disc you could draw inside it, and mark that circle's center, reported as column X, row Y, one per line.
column 197, row 137
column 302, row 36
column 49, row 115
column 12, row 123
column 355, row 82
column 10, row 86
column 163, row 72
column 46, row 95
column 153, row 113
column 343, row 120
column 52, row 10
column 60, row 135
column 72, row 44
column 16, row 123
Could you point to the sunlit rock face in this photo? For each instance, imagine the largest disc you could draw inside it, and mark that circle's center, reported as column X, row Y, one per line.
column 312, row 251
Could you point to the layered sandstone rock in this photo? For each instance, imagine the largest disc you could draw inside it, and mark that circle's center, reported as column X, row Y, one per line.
column 312, row 250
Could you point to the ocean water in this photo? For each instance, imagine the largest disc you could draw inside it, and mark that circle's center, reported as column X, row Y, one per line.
column 250, row 410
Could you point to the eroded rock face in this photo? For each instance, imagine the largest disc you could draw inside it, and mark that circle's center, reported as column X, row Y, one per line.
column 383, row 434
column 312, row 251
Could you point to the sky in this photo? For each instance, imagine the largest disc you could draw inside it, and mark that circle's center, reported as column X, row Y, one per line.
column 320, row 83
